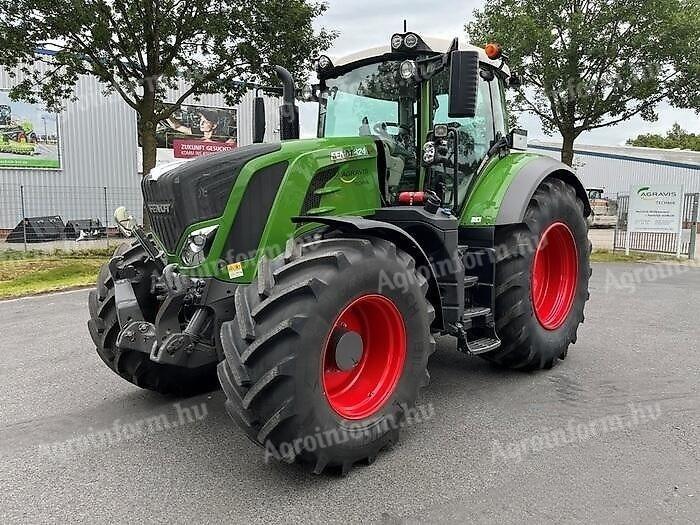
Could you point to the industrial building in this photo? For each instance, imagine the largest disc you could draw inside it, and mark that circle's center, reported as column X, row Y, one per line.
column 87, row 157
column 616, row 168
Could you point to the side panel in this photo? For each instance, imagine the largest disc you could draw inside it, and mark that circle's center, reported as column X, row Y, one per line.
column 335, row 176
column 503, row 191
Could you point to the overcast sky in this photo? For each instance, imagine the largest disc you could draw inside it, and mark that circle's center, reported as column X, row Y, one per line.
column 365, row 23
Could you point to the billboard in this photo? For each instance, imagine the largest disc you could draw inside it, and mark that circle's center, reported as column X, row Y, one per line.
column 655, row 208
column 28, row 135
column 194, row 131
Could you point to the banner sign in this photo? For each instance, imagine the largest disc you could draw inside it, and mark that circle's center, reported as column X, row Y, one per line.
column 185, row 149
column 194, row 131
column 28, row 136
column 655, row 209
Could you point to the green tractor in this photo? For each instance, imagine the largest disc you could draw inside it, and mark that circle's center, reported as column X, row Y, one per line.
column 313, row 275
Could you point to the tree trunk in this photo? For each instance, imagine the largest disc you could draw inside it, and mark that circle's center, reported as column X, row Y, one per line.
column 567, row 149
column 149, row 153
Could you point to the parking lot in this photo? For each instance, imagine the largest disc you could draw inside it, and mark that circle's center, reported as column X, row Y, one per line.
column 609, row 435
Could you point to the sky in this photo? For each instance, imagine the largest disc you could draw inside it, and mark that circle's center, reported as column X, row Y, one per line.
column 21, row 111
column 367, row 23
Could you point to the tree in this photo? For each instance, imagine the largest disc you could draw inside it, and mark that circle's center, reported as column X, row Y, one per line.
column 142, row 48
column 587, row 64
column 676, row 138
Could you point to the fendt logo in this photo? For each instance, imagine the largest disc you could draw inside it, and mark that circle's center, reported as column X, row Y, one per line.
column 645, row 194
column 349, row 153
column 160, row 207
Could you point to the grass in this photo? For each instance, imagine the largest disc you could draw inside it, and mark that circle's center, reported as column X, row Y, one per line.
column 35, row 272
column 608, row 256
column 104, row 253
column 40, row 273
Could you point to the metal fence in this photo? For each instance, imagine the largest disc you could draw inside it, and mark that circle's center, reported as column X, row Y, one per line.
column 47, row 218
column 659, row 242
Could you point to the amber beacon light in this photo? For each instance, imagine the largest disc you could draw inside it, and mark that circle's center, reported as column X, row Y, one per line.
column 493, row 51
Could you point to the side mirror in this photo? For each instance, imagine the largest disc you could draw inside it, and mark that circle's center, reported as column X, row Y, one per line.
column 258, row 120
column 517, row 139
column 125, row 222
column 464, row 84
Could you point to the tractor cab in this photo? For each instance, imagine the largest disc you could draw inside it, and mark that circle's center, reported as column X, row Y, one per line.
column 401, row 94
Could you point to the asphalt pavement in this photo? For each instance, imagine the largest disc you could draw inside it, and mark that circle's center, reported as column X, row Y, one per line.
column 609, row 435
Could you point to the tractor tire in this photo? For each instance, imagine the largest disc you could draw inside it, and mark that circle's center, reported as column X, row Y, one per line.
column 137, row 367
column 542, row 273
column 290, row 377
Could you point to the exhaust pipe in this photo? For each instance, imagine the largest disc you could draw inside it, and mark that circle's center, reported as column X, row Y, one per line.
column 289, row 112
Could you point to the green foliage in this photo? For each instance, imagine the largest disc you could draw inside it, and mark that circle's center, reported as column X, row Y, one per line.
column 676, row 138
column 16, row 148
column 143, row 48
column 587, row 64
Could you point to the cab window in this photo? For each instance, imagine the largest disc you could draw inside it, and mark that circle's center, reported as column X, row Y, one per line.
column 475, row 134
column 500, row 115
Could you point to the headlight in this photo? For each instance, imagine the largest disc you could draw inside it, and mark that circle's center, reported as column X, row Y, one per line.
column 441, row 131
column 307, row 93
column 408, row 69
column 429, row 153
column 197, row 244
column 324, row 62
column 396, row 41
column 411, row 40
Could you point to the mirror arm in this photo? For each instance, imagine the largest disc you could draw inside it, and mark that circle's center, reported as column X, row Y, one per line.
column 455, row 169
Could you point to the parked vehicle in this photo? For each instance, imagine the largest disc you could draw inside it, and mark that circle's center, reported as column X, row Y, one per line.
column 603, row 210
column 315, row 274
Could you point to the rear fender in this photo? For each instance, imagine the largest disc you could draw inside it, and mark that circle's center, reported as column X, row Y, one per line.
column 503, row 191
column 523, row 187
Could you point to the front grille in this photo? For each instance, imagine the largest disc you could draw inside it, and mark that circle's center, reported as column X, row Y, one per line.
column 169, row 226
column 195, row 191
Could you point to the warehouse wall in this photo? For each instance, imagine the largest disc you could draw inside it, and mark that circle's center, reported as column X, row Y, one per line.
column 100, row 157
column 617, row 171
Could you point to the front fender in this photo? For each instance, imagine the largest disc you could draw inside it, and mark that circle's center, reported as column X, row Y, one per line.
column 390, row 232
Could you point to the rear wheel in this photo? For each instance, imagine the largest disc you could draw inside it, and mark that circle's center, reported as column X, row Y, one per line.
column 325, row 356
column 137, row 367
column 542, row 275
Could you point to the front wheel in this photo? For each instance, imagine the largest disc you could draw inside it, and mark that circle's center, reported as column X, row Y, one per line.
column 326, row 354
column 542, row 274
column 137, row 367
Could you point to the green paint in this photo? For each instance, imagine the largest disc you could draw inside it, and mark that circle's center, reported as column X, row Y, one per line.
column 30, row 163
column 353, row 191
column 484, row 202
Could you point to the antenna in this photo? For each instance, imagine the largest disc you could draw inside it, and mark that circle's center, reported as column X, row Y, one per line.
column 405, row 26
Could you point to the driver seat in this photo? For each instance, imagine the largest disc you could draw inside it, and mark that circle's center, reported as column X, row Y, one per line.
column 396, row 166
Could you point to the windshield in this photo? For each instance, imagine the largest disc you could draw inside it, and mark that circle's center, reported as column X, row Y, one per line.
column 375, row 100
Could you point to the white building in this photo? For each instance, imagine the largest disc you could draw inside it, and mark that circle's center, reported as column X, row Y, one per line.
column 616, row 168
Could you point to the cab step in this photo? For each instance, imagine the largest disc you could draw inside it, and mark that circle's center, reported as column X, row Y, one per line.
column 470, row 280
column 476, row 311
column 468, row 342
column 482, row 345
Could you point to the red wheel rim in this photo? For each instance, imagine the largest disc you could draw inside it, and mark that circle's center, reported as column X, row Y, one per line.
column 362, row 390
column 554, row 276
